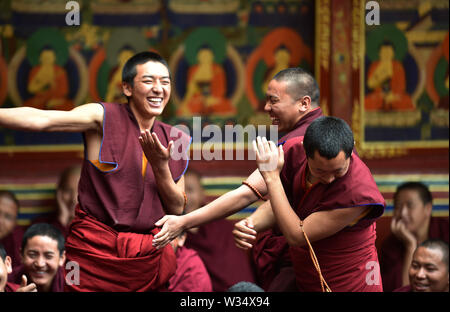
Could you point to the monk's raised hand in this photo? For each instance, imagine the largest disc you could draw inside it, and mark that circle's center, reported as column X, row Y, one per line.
column 244, row 234
column 155, row 152
column 269, row 158
column 399, row 229
column 172, row 226
column 26, row 288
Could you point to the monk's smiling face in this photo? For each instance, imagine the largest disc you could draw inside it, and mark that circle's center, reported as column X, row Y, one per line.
column 428, row 271
column 150, row 91
column 41, row 260
column 281, row 107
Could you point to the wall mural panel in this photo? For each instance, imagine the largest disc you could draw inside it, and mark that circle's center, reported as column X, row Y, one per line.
column 221, row 54
column 405, row 89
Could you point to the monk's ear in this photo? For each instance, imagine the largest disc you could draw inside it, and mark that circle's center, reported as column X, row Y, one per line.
column 62, row 259
column 127, row 88
column 304, row 103
column 181, row 240
column 8, row 264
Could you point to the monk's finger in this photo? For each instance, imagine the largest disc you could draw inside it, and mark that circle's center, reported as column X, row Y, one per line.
column 281, row 151
column 260, row 146
column 170, row 148
column 142, row 142
column 242, row 244
column 157, row 143
column 255, row 148
column 239, row 235
column 29, row 288
column 161, row 242
column 244, row 228
column 266, row 145
column 144, row 137
column 161, row 222
column 272, row 147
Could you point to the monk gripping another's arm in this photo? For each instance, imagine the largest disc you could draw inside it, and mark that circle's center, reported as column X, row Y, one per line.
column 221, row 207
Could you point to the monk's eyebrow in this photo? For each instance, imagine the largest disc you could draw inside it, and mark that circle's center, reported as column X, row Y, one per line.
column 151, row 76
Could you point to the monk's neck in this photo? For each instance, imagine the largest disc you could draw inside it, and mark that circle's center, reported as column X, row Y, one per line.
column 144, row 122
column 304, row 114
column 44, row 288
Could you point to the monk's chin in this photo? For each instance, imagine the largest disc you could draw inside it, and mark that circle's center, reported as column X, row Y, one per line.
column 40, row 279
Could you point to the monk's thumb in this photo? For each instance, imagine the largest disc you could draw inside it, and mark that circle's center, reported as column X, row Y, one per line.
column 250, row 223
column 24, row 281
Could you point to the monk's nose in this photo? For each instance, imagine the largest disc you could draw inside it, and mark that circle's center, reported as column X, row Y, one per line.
column 421, row 274
column 39, row 263
column 157, row 88
column 404, row 212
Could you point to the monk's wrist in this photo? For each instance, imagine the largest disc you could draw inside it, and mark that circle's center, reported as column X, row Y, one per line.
column 271, row 179
column 186, row 222
column 161, row 170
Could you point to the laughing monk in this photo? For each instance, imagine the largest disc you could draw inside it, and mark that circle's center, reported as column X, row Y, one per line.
column 325, row 201
column 292, row 102
column 128, row 181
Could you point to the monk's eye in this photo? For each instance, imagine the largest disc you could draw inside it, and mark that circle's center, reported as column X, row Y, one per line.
column 32, row 255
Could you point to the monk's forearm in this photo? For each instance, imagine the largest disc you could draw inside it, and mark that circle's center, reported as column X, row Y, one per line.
column 221, row 207
column 171, row 194
column 286, row 218
column 407, row 259
column 263, row 218
column 22, row 118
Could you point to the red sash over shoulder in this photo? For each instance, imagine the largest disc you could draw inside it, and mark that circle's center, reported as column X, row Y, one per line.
column 116, row 261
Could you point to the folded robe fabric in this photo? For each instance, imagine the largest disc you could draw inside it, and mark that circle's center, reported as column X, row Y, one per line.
column 115, row 261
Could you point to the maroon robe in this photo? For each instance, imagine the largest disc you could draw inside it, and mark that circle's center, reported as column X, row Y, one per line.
column 191, row 274
column 348, row 259
column 406, row 288
column 11, row 287
column 270, row 253
column 116, row 261
column 57, row 283
column 392, row 253
column 226, row 263
column 301, row 126
column 121, row 199
column 13, row 244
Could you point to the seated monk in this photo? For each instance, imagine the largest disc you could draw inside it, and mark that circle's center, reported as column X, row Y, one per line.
column 43, row 258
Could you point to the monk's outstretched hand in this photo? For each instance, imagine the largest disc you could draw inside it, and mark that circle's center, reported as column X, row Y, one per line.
column 172, row 226
column 155, row 152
